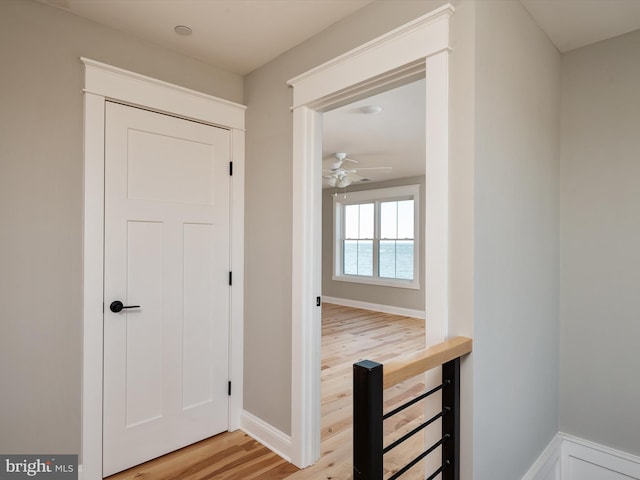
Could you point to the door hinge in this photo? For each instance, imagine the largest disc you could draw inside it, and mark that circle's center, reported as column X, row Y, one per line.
column 318, row 301
column 229, row 388
column 231, row 168
column 230, row 278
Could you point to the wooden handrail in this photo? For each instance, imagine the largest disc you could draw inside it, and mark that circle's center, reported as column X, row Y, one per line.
column 413, row 364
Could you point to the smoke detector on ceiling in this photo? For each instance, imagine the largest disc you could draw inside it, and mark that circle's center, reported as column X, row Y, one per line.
column 182, row 30
column 371, row 109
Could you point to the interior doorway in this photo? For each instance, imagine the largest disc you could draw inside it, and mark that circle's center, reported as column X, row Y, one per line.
column 373, row 175
column 417, row 47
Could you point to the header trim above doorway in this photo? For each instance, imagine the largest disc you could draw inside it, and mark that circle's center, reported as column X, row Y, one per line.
column 398, row 53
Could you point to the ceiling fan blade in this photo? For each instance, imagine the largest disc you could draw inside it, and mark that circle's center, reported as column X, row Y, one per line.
column 354, row 176
column 336, row 160
column 388, row 169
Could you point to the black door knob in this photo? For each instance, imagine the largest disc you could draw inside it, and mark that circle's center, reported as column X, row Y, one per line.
column 117, row 306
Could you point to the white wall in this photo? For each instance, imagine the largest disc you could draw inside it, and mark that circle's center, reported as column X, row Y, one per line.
column 41, row 165
column 600, row 239
column 516, row 241
column 412, row 299
column 572, row 458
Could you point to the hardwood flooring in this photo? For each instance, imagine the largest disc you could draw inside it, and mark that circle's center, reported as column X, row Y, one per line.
column 229, row 456
column 348, row 336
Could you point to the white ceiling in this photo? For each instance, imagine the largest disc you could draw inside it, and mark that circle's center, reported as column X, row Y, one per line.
column 242, row 35
column 393, row 138
column 235, row 35
column 576, row 23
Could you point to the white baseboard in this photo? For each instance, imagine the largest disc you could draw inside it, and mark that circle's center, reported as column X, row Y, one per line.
column 547, row 466
column 272, row 438
column 585, row 460
column 572, row 458
column 345, row 302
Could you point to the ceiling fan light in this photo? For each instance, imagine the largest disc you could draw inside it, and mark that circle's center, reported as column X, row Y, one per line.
column 343, row 182
column 332, row 181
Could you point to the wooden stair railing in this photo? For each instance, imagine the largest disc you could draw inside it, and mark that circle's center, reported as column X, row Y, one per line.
column 370, row 379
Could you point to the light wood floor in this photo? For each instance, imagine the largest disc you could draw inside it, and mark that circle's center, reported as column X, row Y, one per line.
column 348, row 336
column 232, row 455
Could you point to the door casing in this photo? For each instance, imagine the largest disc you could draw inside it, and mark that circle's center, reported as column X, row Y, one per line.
column 420, row 47
column 103, row 82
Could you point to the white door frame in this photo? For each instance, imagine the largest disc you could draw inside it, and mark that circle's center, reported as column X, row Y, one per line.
column 104, row 82
column 420, row 46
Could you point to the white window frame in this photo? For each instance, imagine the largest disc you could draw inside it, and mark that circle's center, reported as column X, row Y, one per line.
column 404, row 192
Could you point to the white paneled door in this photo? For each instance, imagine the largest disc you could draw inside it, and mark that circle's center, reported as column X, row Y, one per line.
column 167, row 257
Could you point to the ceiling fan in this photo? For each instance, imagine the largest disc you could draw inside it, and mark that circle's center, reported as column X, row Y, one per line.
column 338, row 176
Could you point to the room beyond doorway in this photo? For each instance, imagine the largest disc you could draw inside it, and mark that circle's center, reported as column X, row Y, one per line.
column 373, row 221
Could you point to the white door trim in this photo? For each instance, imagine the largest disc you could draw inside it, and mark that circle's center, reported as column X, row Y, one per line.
column 421, row 45
column 104, row 82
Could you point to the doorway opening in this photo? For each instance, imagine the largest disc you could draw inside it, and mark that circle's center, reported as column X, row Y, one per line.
column 372, row 223
column 373, row 176
column 418, row 48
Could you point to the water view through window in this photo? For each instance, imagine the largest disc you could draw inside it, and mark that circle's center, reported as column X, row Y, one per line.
column 396, row 258
column 394, row 242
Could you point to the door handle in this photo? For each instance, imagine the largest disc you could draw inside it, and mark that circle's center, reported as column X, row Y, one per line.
column 117, row 306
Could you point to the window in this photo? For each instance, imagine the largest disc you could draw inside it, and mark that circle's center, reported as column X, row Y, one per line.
column 375, row 234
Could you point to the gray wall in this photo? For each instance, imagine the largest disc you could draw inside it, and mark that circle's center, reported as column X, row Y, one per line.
column 41, row 128
column 267, row 381
column 505, row 123
column 516, row 241
column 600, row 239
column 377, row 294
